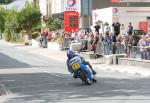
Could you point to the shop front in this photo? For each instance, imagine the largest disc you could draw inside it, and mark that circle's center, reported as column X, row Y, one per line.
column 138, row 16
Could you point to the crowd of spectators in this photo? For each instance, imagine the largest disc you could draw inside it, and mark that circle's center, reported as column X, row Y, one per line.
column 111, row 42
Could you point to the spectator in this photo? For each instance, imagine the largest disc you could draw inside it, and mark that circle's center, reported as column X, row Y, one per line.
column 148, row 47
column 73, row 35
column 101, row 44
column 134, row 48
column 130, row 29
column 97, row 27
column 129, row 46
column 41, row 39
column 96, row 39
column 143, row 50
column 85, row 43
column 49, row 37
column 127, row 43
column 107, row 28
column 107, row 43
column 53, row 34
column 114, row 40
column 119, row 46
column 91, row 39
column 45, row 33
column 101, row 38
column 116, row 28
column 122, row 29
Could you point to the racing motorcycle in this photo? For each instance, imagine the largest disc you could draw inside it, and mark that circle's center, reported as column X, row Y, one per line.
column 82, row 74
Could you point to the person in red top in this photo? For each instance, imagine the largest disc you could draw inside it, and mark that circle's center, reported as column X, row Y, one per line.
column 49, row 37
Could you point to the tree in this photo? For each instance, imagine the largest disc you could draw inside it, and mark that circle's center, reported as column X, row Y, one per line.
column 54, row 23
column 5, row 1
column 2, row 19
column 11, row 25
column 29, row 17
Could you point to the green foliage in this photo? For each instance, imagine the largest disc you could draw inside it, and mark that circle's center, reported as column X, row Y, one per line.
column 11, row 25
column 2, row 19
column 21, row 36
column 29, row 17
column 35, row 35
column 14, row 22
column 54, row 23
column 37, row 27
column 7, row 35
column 5, row 1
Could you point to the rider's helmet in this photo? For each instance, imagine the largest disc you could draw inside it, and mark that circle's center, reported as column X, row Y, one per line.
column 70, row 53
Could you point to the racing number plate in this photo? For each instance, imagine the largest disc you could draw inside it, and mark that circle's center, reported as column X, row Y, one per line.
column 75, row 66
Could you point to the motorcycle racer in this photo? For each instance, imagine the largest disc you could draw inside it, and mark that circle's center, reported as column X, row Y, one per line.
column 72, row 57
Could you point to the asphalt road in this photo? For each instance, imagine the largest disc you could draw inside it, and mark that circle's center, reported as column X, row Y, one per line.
column 31, row 78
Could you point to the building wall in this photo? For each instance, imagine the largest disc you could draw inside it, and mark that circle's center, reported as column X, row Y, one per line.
column 43, row 9
column 98, row 4
column 124, row 15
column 49, row 6
column 57, row 6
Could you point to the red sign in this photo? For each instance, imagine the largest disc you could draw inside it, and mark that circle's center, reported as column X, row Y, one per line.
column 143, row 26
column 115, row 1
column 71, row 21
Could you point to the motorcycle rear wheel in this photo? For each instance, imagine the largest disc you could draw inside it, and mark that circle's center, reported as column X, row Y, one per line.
column 85, row 78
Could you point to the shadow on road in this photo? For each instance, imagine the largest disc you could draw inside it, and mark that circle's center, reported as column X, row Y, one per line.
column 7, row 62
column 49, row 88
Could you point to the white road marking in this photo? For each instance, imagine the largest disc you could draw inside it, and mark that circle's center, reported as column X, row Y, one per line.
column 54, row 74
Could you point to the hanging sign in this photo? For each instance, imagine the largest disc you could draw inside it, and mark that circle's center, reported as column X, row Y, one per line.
column 143, row 26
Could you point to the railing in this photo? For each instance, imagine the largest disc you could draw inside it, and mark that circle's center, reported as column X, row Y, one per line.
column 130, row 51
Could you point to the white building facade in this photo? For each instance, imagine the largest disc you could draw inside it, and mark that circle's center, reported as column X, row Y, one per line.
column 58, row 7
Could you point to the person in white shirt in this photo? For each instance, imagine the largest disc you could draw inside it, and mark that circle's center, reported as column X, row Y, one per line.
column 107, row 28
column 143, row 50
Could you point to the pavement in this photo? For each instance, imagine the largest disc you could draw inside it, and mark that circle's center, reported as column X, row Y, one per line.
column 96, row 63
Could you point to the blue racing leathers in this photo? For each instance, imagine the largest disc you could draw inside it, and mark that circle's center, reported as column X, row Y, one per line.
column 83, row 67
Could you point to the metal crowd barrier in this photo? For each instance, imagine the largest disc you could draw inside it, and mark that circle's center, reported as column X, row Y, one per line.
column 133, row 52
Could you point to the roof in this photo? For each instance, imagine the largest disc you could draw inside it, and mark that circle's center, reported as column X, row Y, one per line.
column 18, row 4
